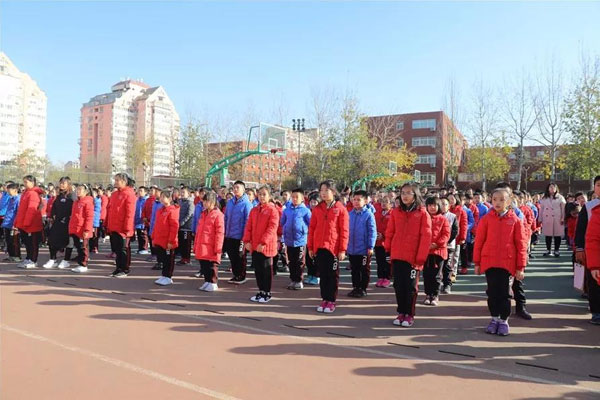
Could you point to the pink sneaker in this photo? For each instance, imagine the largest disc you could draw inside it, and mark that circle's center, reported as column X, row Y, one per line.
column 329, row 308
column 386, row 283
column 409, row 320
column 378, row 284
column 322, row 306
column 399, row 319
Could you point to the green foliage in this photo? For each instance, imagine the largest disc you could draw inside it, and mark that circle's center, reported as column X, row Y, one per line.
column 193, row 162
column 25, row 163
column 493, row 161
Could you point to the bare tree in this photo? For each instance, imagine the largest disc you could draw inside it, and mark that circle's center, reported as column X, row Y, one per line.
column 452, row 110
column 323, row 112
column 519, row 115
column 384, row 130
column 549, row 102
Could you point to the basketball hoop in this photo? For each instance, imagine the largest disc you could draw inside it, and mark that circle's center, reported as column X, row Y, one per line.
column 276, row 150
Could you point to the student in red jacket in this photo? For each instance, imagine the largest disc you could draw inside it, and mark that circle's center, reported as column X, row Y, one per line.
column 81, row 226
column 384, row 271
column 121, row 212
column 463, row 227
column 407, row 238
column 260, row 239
column 500, row 252
column 438, row 251
column 208, row 242
column 328, row 235
column 29, row 221
column 164, row 236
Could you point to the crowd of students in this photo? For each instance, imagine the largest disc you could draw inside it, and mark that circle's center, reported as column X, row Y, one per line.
column 438, row 235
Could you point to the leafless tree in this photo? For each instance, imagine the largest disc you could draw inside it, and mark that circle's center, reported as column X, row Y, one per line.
column 452, row 109
column 383, row 129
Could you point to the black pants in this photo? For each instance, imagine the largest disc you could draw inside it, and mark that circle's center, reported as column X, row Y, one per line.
column 406, row 286
column 237, row 256
column 142, row 238
column 32, row 244
column 263, row 270
column 384, row 270
column 311, row 266
column 593, row 292
column 210, row 270
column 361, row 271
column 83, row 250
column 122, row 248
column 102, row 229
column 185, row 245
column 296, row 257
column 13, row 244
column 447, row 269
column 432, row 275
column 519, row 293
column 166, row 258
column 557, row 241
column 328, row 267
column 466, row 251
column 498, row 292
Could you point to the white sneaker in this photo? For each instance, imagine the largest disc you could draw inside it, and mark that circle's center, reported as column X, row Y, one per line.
column 30, row 265
column 23, row 263
column 63, row 264
column 144, row 252
column 50, row 264
column 198, row 274
column 79, row 269
column 211, row 287
column 203, row 287
column 164, row 281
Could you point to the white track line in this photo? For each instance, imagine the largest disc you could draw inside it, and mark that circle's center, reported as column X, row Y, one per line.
column 322, row 341
column 123, row 364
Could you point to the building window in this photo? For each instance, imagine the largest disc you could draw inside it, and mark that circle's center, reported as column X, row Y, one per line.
column 424, row 124
column 426, row 159
column 428, row 178
column 559, row 176
column 538, row 176
column 540, row 153
column 512, row 156
column 424, row 141
column 513, row 177
column 400, row 125
column 400, row 142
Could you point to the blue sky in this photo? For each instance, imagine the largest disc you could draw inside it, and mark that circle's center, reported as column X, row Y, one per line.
column 223, row 58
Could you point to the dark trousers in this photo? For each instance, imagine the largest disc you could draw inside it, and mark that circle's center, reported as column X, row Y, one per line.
column 102, row 229
column 447, row 269
column 311, row 266
column 406, row 286
column 593, row 292
column 263, row 270
column 13, row 244
column 384, row 270
column 432, row 275
column 210, row 270
column 328, row 267
column 498, row 292
column 83, row 251
column 466, row 255
column 296, row 257
column 237, row 256
column 518, row 289
column 185, row 245
column 361, row 271
column 32, row 244
column 122, row 248
column 557, row 241
column 142, row 238
column 166, row 258
column 94, row 240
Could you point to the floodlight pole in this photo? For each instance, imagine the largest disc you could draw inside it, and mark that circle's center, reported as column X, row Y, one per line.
column 298, row 126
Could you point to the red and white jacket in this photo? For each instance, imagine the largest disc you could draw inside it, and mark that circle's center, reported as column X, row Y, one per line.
column 82, row 217
column 121, row 212
column 382, row 218
column 408, row 236
column 209, row 235
column 166, row 226
column 261, row 228
column 440, row 235
column 29, row 215
column 329, row 228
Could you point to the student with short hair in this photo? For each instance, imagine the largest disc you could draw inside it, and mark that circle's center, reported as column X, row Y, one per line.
column 295, row 221
column 140, row 227
column 208, row 240
column 81, row 226
column 164, row 236
column 29, row 221
column 13, row 242
column 438, row 251
column 384, row 270
column 236, row 215
column 363, row 235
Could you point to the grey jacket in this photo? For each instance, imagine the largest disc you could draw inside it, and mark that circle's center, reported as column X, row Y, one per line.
column 186, row 214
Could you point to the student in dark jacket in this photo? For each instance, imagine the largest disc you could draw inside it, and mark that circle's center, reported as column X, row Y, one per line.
column 186, row 216
column 447, row 267
column 236, row 216
column 81, row 226
column 438, row 251
column 60, row 214
column 29, row 221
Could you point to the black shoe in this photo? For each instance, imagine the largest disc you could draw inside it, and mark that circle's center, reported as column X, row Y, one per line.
column 446, row 290
column 238, row 280
column 361, row 293
column 354, row 293
column 547, row 254
column 556, row 254
column 531, row 256
column 114, row 273
column 523, row 313
column 157, row 266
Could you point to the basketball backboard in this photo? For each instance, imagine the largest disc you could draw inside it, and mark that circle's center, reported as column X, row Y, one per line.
column 272, row 137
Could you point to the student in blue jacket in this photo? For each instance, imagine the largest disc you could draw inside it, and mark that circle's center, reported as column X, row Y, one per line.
column 13, row 244
column 294, row 224
column 138, row 221
column 363, row 234
column 236, row 216
column 96, row 222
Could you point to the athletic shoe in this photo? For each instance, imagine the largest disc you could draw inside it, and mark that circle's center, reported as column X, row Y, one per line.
column 203, row 287
column 95, row 251
column 463, row 271
column 150, row 258
column 427, row 301
column 265, row 298
column 307, row 279
column 362, row 293
column 31, row 265
column 238, row 280
column 79, row 269
column 157, row 266
column 22, row 263
column 453, row 278
column 7, row 259
column 531, row 256
column 63, row 264
column 50, row 264
column 198, row 274
column 446, row 290
column 111, row 255
column 595, row 319
column 143, row 252
column 523, row 313
column 183, row 262
column 16, row 259
column 322, row 306
column 492, row 327
column 547, row 254
column 114, row 273
column 314, row 281
column 378, row 283
column 503, row 329
column 164, row 281
column 295, row 286
column 399, row 319
column 354, row 292
column 435, row 301
column 409, row 320
column 256, row 297
column 211, row 287
column 121, row 274
column 386, row 283
column 556, row 254
column 329, row 308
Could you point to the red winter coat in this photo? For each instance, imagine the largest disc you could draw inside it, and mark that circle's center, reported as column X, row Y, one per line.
column 529, row 223
column 408, row 236
column 592, row 239
column 209, row 235
column 381, row 221
column 122, row 211
column 82, row 217
column 166, row 226
column 104, row 208
column 147, row 210
column 29, row 216
column 329, row 228
column 475, row 212
column 440, row 234
column 571, row 228
column 463, row 224
column 349, row 206
column 49, row 204
column 501, row 243
column 261, row 228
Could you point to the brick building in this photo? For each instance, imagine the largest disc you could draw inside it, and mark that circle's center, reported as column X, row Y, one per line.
column 439, row 145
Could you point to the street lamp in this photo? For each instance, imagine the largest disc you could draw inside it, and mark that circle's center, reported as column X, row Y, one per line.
column 298, row 126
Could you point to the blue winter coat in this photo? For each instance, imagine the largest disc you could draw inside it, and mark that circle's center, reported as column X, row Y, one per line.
column 534, row 209
column 294, row 224
column 470, row 223
column 4, row 203
column 371, row 208
column 363, row 232
column 12, row 204
column 155, row 207
column 236, row 216
column 197, row 211
column 97, row 211
column 138, row 221
column 482, row 210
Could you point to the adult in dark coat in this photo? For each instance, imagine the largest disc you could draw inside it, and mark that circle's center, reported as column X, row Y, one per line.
column 58, row 237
